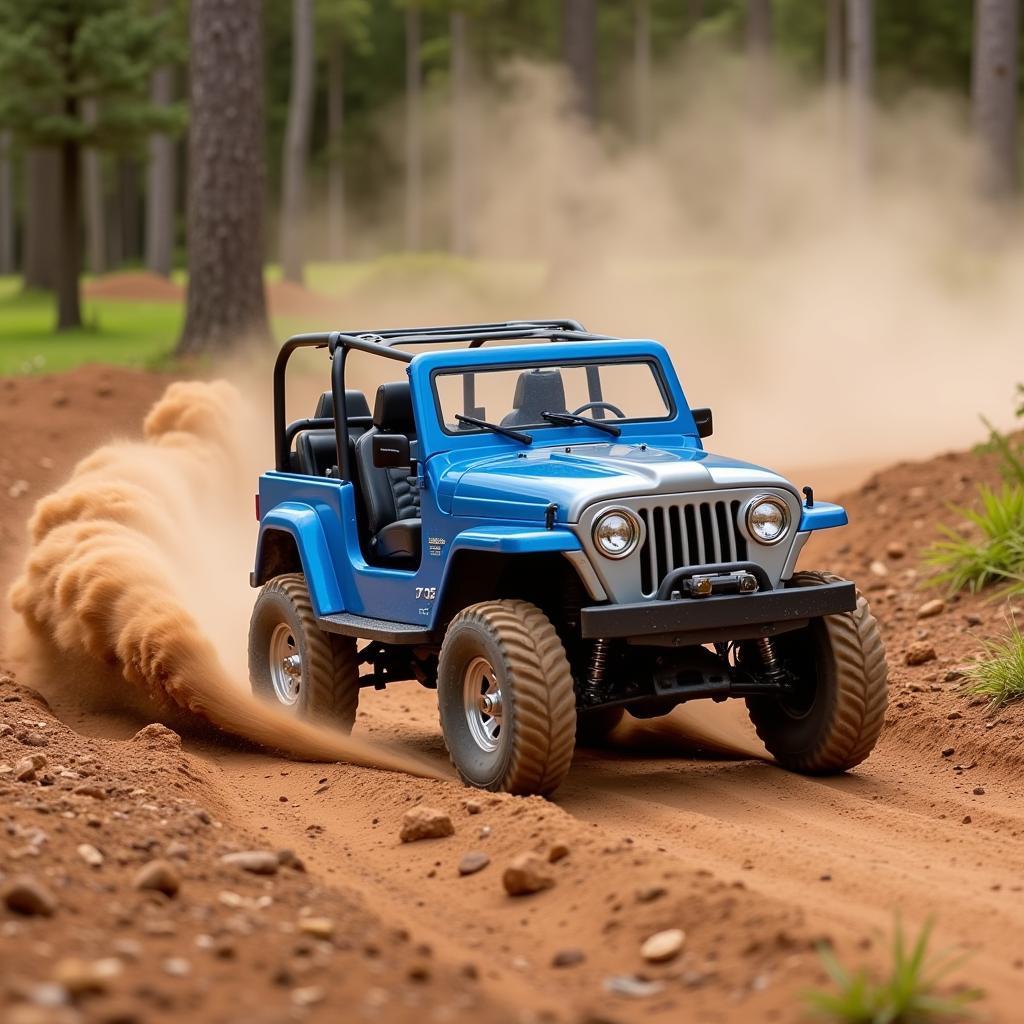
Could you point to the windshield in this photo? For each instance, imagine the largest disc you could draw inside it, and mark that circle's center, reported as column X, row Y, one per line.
column 519, row 397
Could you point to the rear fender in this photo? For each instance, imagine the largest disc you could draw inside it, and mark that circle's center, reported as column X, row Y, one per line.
column 301, row 523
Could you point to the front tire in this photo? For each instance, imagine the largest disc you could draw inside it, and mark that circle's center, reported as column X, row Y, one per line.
column 296, row 665
column 506, row 699
column 832, row 721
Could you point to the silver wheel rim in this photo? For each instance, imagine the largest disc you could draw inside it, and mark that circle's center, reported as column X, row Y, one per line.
column 482, row 703
column 285, row 664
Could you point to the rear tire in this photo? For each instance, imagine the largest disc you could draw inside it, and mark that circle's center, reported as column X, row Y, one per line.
column 506, row 699
column 296, row 665
column 834, row 721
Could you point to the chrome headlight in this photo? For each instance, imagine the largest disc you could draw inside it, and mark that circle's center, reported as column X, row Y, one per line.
column 616, row 533
column 767, row 519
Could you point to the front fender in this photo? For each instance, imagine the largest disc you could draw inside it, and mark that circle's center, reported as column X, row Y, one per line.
column 303, row 525
column 515, row 540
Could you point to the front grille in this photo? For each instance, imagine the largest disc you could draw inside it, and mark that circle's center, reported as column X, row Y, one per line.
column 688, row 533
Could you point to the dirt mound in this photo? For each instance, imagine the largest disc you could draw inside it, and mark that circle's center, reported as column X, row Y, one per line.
column 134, row 286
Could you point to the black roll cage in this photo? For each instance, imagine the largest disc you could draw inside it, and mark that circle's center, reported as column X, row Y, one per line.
column 381, row 343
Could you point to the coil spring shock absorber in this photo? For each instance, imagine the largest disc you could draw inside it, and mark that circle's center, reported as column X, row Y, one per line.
column 596, row 670
column 772, row 669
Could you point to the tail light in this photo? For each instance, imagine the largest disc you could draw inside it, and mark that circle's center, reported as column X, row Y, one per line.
column 257, row 497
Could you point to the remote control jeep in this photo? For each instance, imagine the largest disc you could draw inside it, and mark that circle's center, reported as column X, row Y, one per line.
column 528, row 522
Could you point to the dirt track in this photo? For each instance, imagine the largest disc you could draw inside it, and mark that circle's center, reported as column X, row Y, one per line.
column 756, row 864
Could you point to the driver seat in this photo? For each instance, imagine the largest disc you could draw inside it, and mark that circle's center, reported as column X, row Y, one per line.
column 537, row 391
column 391, row 495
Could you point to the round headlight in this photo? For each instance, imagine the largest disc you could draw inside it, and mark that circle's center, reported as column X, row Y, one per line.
column 768, row 520
column 616, row 533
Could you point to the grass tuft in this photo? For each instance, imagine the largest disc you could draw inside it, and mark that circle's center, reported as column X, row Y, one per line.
column 908, row 994
column 970, row 563
column 999, row 672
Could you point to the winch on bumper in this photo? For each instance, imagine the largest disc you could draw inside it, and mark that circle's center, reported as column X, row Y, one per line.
column 716, row 603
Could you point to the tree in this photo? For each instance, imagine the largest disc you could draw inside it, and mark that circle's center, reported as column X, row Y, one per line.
column 834, row 41
column 413, row 129
column 161, row 183
column 95, row 214
column 759, row 27
column 579, row 46
column 296, row 146
column 641, row 68
column 62, row 55
column 460, row 127
column 6, row 206
column 342, row 25
column 226, row 302
column 994, row 92
column 860, row 68
column 42, row 194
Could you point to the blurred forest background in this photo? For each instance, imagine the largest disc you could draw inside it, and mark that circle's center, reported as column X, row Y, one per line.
column 220, row 143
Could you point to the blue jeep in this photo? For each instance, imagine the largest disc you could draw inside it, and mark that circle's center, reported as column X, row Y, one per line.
column 528, row 522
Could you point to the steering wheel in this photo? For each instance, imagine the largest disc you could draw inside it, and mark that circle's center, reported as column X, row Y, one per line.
column 600, row 405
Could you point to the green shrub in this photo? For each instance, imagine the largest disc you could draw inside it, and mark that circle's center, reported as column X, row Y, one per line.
column 999, row 672
column 907, row 995
column 968, row 563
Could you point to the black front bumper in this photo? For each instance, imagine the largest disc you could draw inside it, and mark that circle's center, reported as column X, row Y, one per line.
column 683, row 621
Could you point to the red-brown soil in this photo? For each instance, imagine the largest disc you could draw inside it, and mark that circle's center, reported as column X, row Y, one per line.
column 755, row 864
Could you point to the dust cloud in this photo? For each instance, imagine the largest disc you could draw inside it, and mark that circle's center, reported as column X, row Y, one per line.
column 136, row 567
column 830, row 315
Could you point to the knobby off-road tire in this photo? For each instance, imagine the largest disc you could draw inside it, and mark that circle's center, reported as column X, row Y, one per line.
column 325, row 679
column 840, row 660
column 511, row 649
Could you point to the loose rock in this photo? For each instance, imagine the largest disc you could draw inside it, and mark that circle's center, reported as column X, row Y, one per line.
column 931, row 608
column 425, row 823
column 86, row 977
column 632, row 987
column 317, row 927
column 920, row 652
column 568, row 958
column 158, row 876
column 879, row 569
column 158, row 737
column 257, row 862
column 90, row 855
column 28, row 768
column 558, row 851
column 662, row 946
column 473, row 862
column 895, row 549
column 527, row 874
column 24, row 895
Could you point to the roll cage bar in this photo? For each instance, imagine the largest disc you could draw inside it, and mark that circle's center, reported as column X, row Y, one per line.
column 381, row 343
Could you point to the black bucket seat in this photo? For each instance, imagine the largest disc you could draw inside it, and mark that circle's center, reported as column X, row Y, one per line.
column 391, row 497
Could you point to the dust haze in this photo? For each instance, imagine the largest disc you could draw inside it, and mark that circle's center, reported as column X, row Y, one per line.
column 136, row 574
column 834, row 308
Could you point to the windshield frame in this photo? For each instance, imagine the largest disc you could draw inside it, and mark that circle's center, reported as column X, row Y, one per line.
column 597, row 361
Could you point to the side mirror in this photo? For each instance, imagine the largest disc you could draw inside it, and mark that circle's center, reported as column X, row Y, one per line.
column 391, row 451
column 704, row 421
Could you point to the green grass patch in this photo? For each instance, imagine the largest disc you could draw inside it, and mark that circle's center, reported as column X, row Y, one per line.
column 998, row 675
column 909, row 993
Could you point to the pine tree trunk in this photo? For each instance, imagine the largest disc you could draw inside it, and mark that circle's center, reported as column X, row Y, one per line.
column 642, row 70
column 413, row 131
column 69, row 254
column 226, row 302
column 95, row 215
column 860, row 67
column 42, row 198
column 296, row 143
column 460, row 158
column 161, row 184
column 335, row 156
column 759, row 27
column 129, row 194
column 834, row 41
column 994, row 93
column 579, row 45
column 7, row 259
